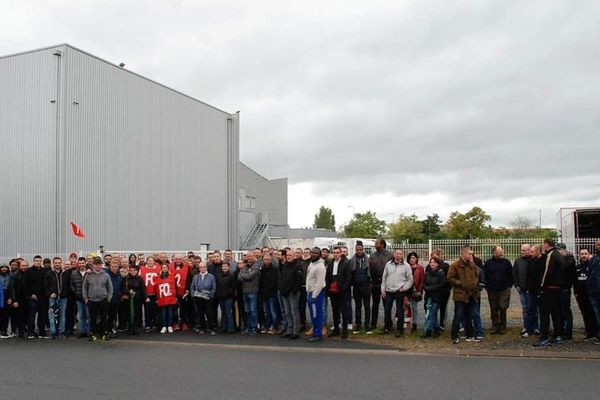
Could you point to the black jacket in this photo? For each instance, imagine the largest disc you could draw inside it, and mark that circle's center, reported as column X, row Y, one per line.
column 580, row 279
column 435, row 285
column 569, row 271
column 552, row 275
column 535, row 269
column 498, row 274
column 268, row 282
column 343, row 277
column 377, row 263
column 226, row 284
column 17, row 286
column 58, row 283
column 289, row 277
column 76, row 284
column 136, row 284
column 34, row 282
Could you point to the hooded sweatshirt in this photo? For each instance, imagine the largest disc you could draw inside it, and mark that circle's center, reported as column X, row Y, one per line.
column 315, row 278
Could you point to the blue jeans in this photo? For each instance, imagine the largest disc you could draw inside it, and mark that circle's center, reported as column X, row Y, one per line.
column 282, row 315
column 62, row 303
column 84, row 317
column 533, row 321
column 251, row 309
column 524, row 297
column 463, row 313
column 595, row 301
column 166, row 314
column 566, row 313
column 271, row 312
column 316, row 312
column 227, row 314
column 388, row 303
column 324, row 311
column 477, row 325
column 432, row 321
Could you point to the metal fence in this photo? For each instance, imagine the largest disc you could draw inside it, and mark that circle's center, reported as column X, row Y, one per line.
column 483, row 247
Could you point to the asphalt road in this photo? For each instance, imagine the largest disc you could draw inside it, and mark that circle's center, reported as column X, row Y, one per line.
column 124, row 369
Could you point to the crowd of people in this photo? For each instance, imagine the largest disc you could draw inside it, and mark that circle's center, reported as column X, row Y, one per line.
column 289, row 293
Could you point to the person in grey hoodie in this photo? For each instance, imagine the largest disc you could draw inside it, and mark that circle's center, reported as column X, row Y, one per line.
column 97, row 289
column 396, row 283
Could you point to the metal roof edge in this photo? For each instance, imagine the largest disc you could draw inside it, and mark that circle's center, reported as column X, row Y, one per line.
column 116, row 66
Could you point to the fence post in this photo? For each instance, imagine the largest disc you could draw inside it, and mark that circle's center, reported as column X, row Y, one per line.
column 430, row 248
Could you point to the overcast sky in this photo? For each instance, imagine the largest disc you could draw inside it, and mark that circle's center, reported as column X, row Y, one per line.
column 398, row 107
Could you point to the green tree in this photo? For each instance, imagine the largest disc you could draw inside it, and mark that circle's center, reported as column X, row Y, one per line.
column 365, row 225
column 470, row 225
column 432, row 227
column 407, row 228
column 324, row 219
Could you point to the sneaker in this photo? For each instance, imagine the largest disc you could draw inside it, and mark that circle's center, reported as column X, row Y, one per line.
column 456, row 341
column 105, row 337
column 478, row 338
column 536, row 332
column 176, row 327
column 31, row 336
column 473, row 339
column 557, row 340
column 596, row 340
column 170, row 329
column 589, row 339
column 44, row 336
column 315, row 339
column 542, row 343
column 211, row 333
column 164, row 329
column 523, row 331
column 92, row 338
column 525, row 335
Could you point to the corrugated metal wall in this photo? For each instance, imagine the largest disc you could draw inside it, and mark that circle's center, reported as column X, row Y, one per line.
column 141, row 166
column 28, row 93
column 270, row 196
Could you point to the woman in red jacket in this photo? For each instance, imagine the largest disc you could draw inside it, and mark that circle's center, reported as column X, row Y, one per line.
column 418, row 278
column 166, row 297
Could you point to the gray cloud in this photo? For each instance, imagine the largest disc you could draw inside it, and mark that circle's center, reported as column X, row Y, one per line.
column 485, row 102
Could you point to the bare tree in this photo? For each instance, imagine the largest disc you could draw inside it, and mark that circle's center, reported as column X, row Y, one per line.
column 522, row 223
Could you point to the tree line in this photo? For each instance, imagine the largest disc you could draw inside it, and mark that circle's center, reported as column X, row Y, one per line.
column 473, row 224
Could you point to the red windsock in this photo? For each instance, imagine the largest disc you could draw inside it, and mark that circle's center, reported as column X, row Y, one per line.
column 77, row 231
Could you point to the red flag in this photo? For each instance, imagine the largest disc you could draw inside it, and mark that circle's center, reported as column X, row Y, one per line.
column 77, row 231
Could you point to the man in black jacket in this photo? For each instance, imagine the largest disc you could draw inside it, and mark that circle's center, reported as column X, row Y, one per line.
column 289, row 282
column 581, row 295
column 499, row 280
column 268, row 295
column 337, row 281
column 550, row 287
column 361, row 283
column 535, row 268
column 377, row 263
column 34, row 283
column 58, row 291
column 569, row 272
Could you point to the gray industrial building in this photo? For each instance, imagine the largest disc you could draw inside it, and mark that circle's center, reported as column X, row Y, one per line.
column 135, row 164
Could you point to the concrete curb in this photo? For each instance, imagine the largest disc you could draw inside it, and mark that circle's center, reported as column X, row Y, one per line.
column 320, row 349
